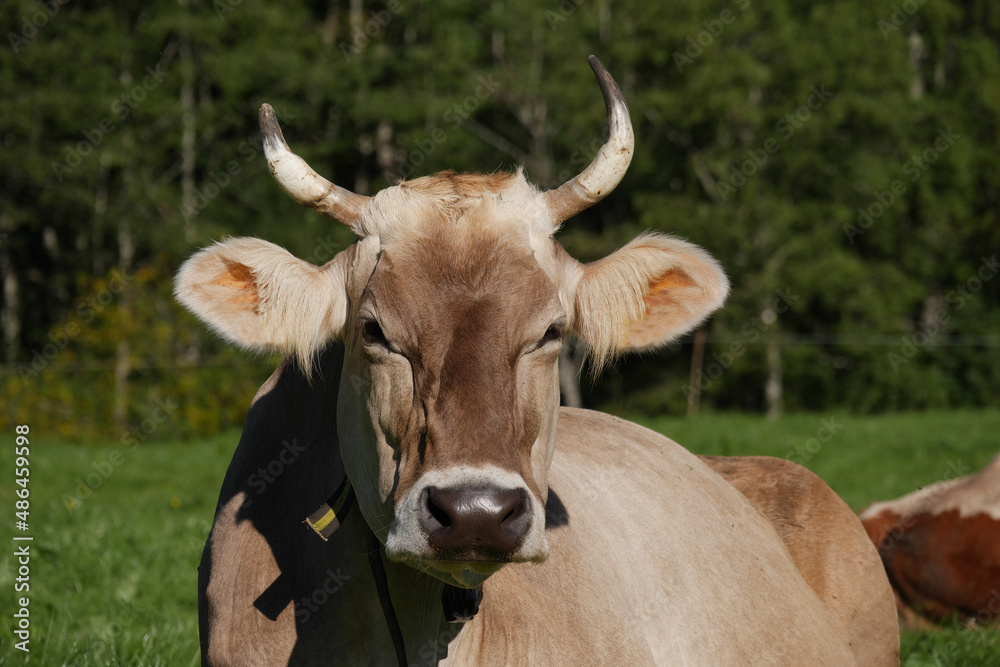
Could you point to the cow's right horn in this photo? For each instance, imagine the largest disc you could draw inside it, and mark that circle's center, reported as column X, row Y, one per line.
column 301, row 182
column 602, row 175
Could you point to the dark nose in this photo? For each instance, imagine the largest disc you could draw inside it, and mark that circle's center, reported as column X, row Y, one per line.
column 475, row 524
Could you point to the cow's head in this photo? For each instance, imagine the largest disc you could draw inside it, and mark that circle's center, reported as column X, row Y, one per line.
column 453, row 305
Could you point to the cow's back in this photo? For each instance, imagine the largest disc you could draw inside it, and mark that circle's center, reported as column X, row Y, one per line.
column 828, row 545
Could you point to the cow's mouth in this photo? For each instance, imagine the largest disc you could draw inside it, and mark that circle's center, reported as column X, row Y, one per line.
column 473, row 555
column 460, row 574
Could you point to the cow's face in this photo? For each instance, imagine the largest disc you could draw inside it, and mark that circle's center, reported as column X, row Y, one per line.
column 453, row 335
column 453, row 306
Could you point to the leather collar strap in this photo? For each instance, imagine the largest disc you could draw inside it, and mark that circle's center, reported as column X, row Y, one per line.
column 460, row 604
column 382, row 585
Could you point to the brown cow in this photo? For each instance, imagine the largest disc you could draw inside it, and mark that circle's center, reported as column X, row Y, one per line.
column 941, row 548
column 421, row 381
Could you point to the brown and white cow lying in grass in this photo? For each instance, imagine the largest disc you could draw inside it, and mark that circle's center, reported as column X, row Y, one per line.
column 941, row 548
column 422, row 368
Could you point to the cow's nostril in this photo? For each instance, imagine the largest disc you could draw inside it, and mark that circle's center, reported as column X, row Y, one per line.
column 512, row 521
column 437, row 512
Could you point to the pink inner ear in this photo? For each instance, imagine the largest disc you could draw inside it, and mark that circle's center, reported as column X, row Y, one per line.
column 657, row 295
column 666, row 316
column 239, row 278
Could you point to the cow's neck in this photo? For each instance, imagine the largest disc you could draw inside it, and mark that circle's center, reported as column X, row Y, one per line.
column 416, row 602
column 416, row 597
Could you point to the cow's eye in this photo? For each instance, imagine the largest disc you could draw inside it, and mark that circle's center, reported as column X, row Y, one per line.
column 553, row 334
column 372, row 334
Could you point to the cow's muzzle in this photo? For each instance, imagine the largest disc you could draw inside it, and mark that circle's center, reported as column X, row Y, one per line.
column 474, row 524
column 462, row 524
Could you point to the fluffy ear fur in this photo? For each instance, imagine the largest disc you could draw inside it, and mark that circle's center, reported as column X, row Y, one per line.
column 646, row 294
column 258, row 296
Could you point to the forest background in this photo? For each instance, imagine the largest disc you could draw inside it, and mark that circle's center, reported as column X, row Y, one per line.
column 840, row 159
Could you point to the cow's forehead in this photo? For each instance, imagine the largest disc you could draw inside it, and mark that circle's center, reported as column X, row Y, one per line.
column 463, row 210
column 453, row 269
column 430, row 283
column 450, row 239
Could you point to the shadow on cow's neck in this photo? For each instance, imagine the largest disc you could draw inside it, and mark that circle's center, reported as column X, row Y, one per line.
column 556, row 514
column 285, row 466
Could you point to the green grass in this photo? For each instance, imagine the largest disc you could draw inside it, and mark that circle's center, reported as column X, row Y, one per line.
column 114, row 574
column 114, row 578
column 865, row 458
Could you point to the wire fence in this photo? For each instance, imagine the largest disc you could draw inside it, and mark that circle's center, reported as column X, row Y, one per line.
column 784, row 339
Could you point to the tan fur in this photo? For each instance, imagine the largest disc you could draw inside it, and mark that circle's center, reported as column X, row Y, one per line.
column 450, row 184
column 449, row 196
column 829, row 546
column 229, row 630
column 647, row 604
column 464, row 279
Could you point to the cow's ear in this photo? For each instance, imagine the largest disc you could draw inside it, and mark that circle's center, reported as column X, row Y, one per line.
column 650, row 292
column 258, row 296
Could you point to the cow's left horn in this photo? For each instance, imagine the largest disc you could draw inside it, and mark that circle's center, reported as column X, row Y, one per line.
column 301, row 182
column 606, row 171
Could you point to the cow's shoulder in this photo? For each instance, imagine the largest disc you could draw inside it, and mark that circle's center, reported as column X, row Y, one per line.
column 650, row 533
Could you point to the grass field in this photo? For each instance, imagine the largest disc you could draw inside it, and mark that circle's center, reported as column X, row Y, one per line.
column 113, row 562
